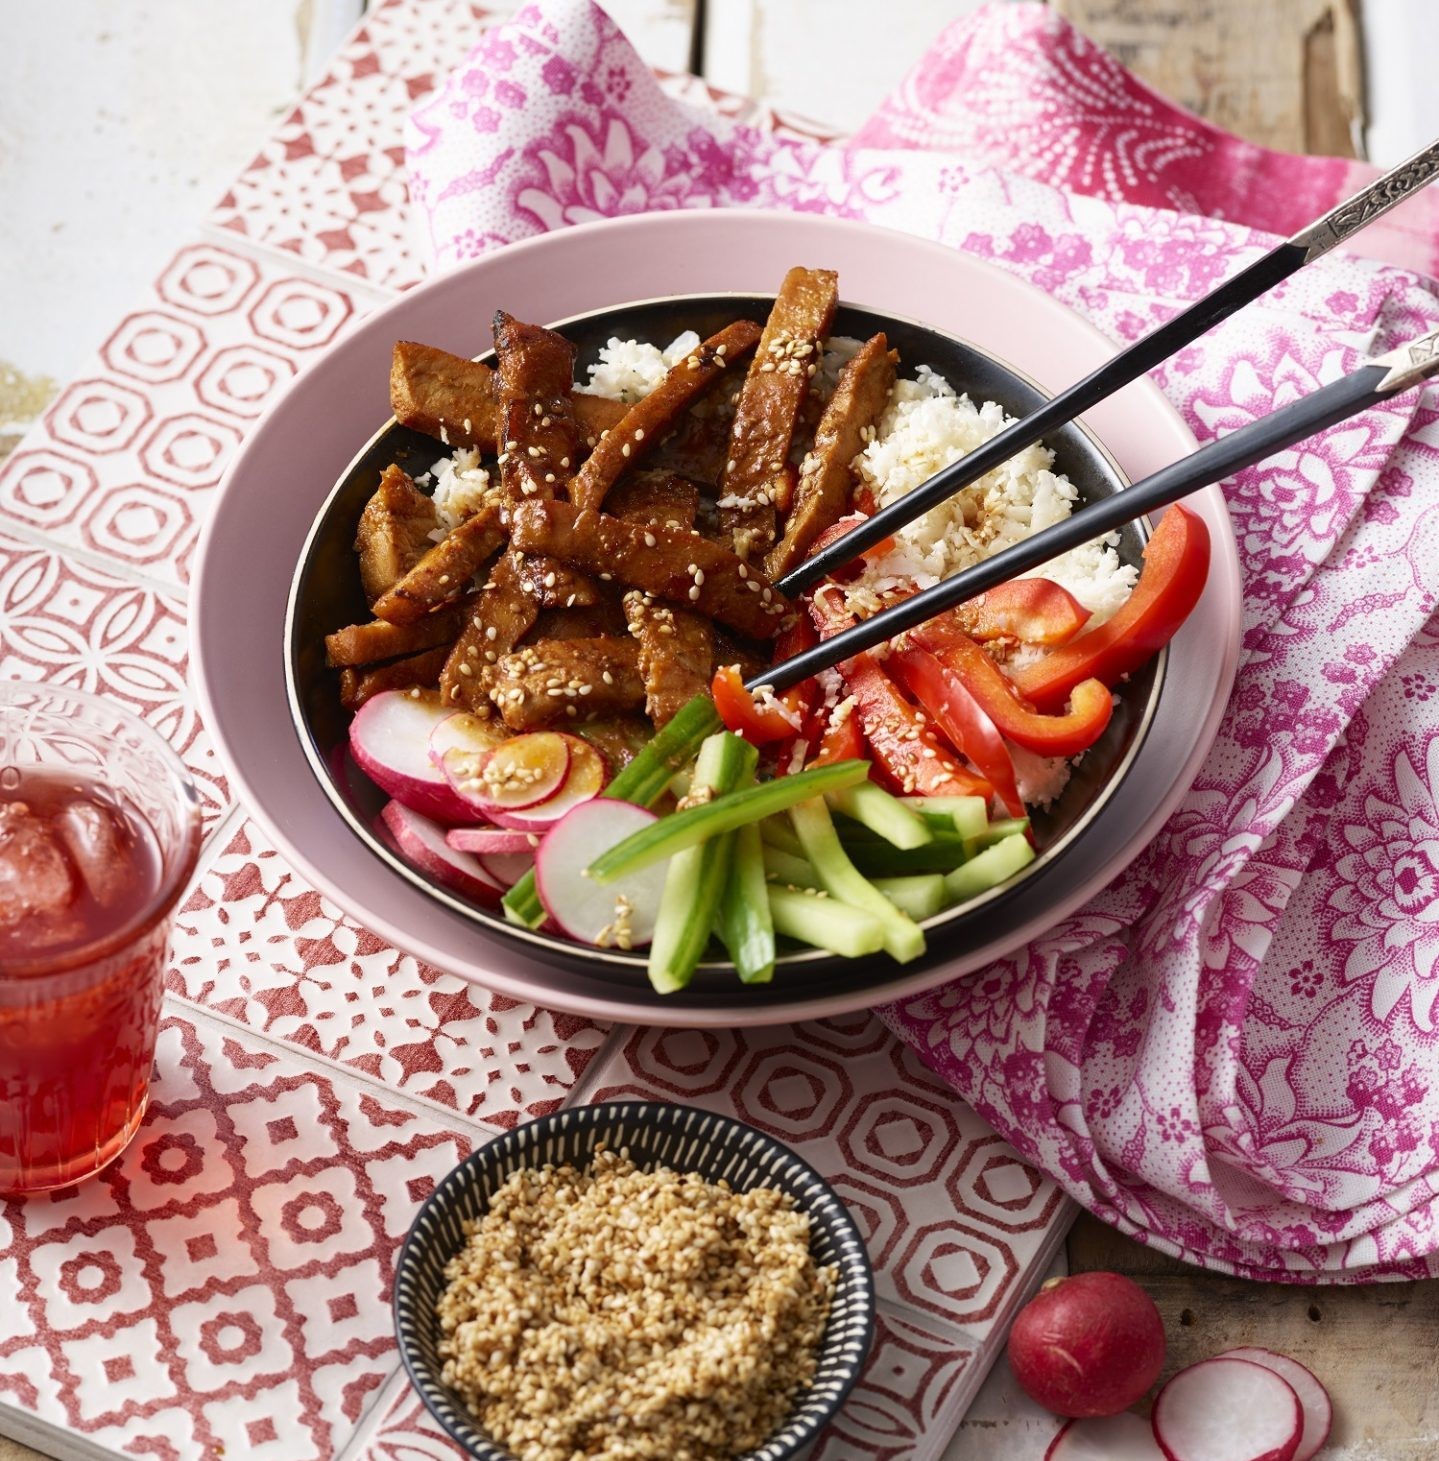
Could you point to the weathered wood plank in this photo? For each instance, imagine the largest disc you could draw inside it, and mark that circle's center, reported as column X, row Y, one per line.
column 1288, row 77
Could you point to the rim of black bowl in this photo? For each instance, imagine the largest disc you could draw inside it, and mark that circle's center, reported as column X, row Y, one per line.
column 632, row 966
column 819, row 1201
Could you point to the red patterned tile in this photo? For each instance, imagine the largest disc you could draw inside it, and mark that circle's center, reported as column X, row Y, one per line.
column 228, row 1280
column 256, row 943
column 125, row 461
column 954, row 1220
column 74, row 625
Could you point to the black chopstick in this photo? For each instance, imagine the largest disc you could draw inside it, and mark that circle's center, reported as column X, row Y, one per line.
column 1373, row 382
column 1246, row 286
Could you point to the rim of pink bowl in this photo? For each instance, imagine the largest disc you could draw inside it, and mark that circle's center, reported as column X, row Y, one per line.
column 1224, row 587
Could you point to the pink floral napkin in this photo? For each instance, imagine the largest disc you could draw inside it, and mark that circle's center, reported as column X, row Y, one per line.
column 1232, row 1052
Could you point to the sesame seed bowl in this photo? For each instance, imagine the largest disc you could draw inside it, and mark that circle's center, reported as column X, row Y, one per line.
column 326, row 595
column 660, row 1139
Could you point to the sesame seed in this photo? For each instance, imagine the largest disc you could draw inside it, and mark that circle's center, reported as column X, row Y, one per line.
column 694, row 594
column 639, row 433
column 625, row 450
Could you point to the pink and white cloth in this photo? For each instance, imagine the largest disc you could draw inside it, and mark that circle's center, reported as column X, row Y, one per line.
column 1233, row 1052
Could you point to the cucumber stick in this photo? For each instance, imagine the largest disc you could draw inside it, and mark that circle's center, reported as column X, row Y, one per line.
column 777, row 832
column 876, row 809
column 643, row 782
column 697, row 875
column 903, row 939
column 989, row 868
column 825, row 923
column 918, row 896
column 787, row 870
column 695, row 824
column 745, row 925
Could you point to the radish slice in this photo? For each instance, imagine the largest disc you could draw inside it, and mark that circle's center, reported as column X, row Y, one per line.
column 1313, row 1397
column 1228, row 1410
column 1123, row 1437
column 584, row 781
column 491, row 840
column 507, row 867
column 422, row 844
column 582, row 907
column 461, row 731
column 390, row 740
column 520, row 772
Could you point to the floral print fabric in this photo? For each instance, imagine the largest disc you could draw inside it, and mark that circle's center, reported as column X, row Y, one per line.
column 1233, row 1051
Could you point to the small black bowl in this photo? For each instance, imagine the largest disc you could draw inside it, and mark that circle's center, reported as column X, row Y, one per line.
column 685, row 1139
column 325, row 596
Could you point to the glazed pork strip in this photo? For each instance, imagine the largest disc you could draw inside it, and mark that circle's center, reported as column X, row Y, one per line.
column 446, row 571
column 769, row 405
column 821, row 495
column 670, row 563
column 394, row 532
column 418, row 672
column 555, row 585
column 539, row 441
column 655, row 497
column 676, row 654
column 457, row 400
column 592, row 623
column 367, row 644
column 504, row 612
column 554, row 680
column 648, row 421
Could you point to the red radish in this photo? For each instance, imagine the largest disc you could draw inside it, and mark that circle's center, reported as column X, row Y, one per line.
column 390, row 740
column 1123, row 1437
column 582, row 907
column 1227, row 1410
column 519, row 772
column 507, row 867
column 1087, row 1345
column 1313, row 1397
column 584, row 780
column 422, row 844
column 490, row 840
column 462, row 731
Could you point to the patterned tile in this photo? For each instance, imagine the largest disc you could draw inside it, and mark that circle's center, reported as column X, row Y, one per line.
column 126, row 459
column 70, row 624
column 229, row 1276
column 256, row 943
column 953, row 1217
column 329, row 183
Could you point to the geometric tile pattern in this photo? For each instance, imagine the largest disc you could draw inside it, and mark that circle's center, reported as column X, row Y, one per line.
column 223, row 1288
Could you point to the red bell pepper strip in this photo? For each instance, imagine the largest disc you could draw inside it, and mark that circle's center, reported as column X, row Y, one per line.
column 759, row 722
column 838, row 530
column 1046, row 735
column 840, row 740
column 1032, row 610
column 904, row 745
column 943, row 694
column 1176, row 563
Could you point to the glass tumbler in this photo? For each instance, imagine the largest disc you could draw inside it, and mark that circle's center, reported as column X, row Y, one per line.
column 99, row 834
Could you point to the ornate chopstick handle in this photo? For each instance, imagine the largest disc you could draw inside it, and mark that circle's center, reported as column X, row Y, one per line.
column 1379, row 197
column 1414, row 361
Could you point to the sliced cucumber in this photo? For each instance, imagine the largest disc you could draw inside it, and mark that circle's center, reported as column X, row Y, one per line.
column 968, row 815
column 673, row 834
column 875, row 808
column 643, row 782
column 1005, row 827
column 990, row 868
column 745, row 925
column 903, row 939
column 918, row 896
column 825, row 923
column 777, row 832
column 697, row 875
column 789, row 871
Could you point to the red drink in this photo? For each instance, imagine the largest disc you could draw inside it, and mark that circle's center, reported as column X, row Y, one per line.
column 90, row 867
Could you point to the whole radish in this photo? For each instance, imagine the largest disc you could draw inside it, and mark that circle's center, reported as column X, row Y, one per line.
column 1087, row 1345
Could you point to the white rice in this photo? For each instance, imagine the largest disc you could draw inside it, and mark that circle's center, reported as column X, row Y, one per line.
column 461, row 485
column 628, row 370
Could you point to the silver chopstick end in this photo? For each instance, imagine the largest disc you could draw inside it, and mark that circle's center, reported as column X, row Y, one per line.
column 1410, row 364
column 1366, row 205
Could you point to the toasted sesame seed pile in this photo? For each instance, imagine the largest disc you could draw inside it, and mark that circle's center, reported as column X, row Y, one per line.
column 614, row 1314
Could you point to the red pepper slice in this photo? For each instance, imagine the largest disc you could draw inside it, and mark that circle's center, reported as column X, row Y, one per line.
column 1176, row 563
column 836, row 531
column 757, row 723
column 1033, row 610
column 904, row 745
column 1045, row 735
column 958, row 713
column 840, row 740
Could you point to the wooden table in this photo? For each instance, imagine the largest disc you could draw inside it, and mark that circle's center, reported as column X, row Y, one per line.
column 149, row 168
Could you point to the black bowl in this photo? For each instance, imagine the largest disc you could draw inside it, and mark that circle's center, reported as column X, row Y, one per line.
column 685, row 1139
column 325, row 596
